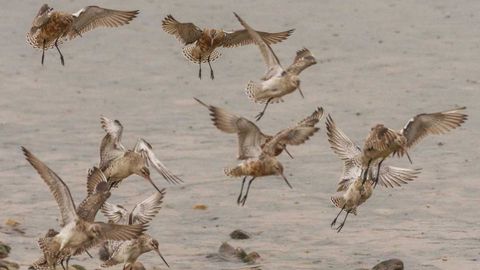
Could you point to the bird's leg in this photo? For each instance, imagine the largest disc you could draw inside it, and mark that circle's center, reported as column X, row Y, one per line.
column 335, row 219
column 211, row 70
column 343, row 223
column 61, row 55
column 67, row 261
column 365, row 173
column 200, row 67
column 378, row 173
column 241, row 190
column 43, row 51
column 248, row 189
column 61, row 263
column 259, row 116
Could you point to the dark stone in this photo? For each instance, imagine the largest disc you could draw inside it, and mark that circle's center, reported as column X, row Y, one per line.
column 239, row 234
column 392, row 264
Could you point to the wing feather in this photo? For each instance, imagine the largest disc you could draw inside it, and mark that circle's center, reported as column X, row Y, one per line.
column 186, row 33
column 242, row 37
column 145, row 211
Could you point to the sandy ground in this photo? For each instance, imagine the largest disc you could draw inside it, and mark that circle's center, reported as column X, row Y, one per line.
column 379, row 61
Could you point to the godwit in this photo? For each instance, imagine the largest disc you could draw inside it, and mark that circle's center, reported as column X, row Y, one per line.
column 251, row 139
column 77, row 234
column 382, row 142
column 200, row 45
column 277, row 81
column 50, row 28
column 258, row 151
column 350, row 192
column 117, row 163
column 127, row 252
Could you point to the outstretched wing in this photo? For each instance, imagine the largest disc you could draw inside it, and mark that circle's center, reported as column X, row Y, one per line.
column 59, row 189
column 145, row 149
column 91, row 17
column 242, row 37
column 96, row 180
column 432, row 123
column 295, row 135
column 185, row 32
column 115, row 213
column 394, row 177
column 269, row 57
column 340, row 143
column 119, row 232
column 250, row 138
column 111, row 146
column 145, row 211
column 303, row 60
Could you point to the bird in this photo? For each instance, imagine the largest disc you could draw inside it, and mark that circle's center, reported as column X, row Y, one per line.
column 51, row 28
column 352, row 191
column 77, row 233
column 127, row 252
column 117, row 163
column 251, row 138
column 382, row 142
column 258, row 151
column 277, row 81
column 201, row 45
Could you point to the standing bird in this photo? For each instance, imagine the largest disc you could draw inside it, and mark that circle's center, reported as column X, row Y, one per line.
column 259, row 151
column 127, row 252
column 382, row 142
column 117, row 163
column 50, row 28
column 277, row 81
column 200, row 45
column 251, row 138
column 77, row 233
column 350, row 191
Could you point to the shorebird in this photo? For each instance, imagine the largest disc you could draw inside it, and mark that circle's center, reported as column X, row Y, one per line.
column 350, row 191
column 117, row 163
column 382, row 142
column 201, row 45
column 127, row 252
column 77, row 234
column 277, row 81
column 258, row 151
column 251, row 138
column 51, row 28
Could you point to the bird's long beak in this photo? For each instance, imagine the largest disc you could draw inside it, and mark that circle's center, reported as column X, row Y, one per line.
column 300, row 91
column 288, row 153
column 286, row 181
column 408, row 156
column 151, row 182
column 160, row 254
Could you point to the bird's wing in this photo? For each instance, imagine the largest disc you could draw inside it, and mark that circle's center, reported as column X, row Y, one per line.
column 394, row 177
column 294, row 135
column 91, row 17
column 268, row 55
column 250, row 138
column 115, row 213
column 59, row 189
column 303, row 60
column 119, row 232
column 111, row 146
column 145, row 211
column 145, row 149
column 432, row 123
column 185, row 32
column 340, row 143
column 381, row 138
column 242, row 37
column 95, row 179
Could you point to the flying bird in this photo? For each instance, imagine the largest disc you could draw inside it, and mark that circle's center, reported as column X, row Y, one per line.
column 201, row 45
column 277, row 81
column 51, row 28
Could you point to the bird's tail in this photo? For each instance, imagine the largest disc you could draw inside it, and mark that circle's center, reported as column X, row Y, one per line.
column 192, row 53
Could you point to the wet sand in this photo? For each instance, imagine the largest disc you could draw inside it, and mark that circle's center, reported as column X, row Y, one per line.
column 381, row 61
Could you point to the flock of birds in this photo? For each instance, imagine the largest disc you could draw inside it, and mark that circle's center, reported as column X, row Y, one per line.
column 123, row 238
